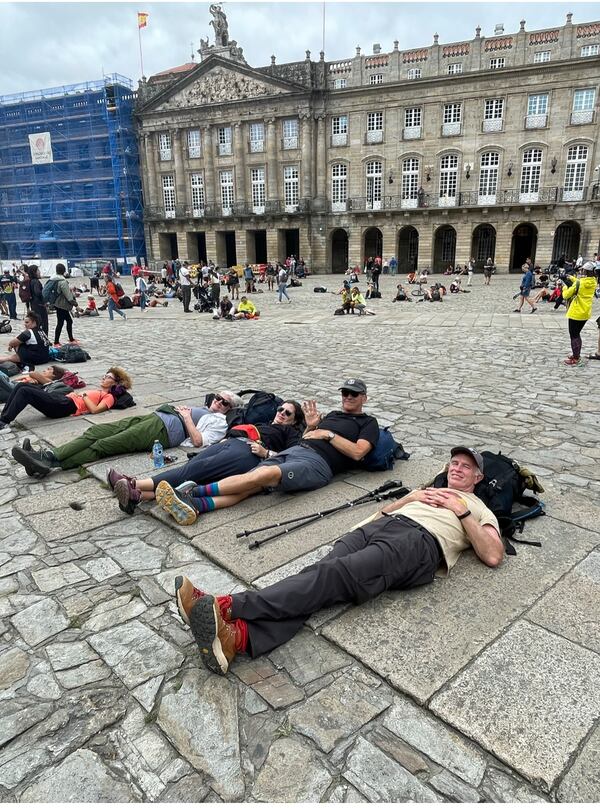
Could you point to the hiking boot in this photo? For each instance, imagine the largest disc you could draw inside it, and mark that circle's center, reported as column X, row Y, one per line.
column 217, row 640
column 35, row 463
column 27, row 445
column 113, row 476
column 186, row 488
column 516, row 311
column 572, row 360
column 186, row 595
column 177, row 505
column 127, row 495
column 533, row 309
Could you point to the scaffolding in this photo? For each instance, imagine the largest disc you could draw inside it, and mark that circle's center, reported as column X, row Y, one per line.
column 87, row 202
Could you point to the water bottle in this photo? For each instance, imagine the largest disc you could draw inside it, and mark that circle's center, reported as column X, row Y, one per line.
column 26, row 369
column 157, row 455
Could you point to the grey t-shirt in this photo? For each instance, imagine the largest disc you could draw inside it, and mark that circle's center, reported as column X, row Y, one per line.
column 174, row 424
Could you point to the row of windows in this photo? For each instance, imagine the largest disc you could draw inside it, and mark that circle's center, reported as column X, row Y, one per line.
column 454, row 68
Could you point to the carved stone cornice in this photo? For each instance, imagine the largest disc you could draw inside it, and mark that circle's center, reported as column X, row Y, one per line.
column 221, row 85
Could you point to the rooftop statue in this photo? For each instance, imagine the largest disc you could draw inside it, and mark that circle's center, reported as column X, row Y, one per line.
column 219, row 23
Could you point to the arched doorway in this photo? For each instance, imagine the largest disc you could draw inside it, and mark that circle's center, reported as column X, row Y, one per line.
column 483, row 244
column 373, row 243
column 567, row 239
column 408, row 249
column 524, row 242
column 339, row 250
column 444, row 248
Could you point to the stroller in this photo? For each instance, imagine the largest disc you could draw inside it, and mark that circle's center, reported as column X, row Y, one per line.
column 205, row 303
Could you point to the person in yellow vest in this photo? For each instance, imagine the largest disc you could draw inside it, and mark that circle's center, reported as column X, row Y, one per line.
column 246, row 310
column 580, row 292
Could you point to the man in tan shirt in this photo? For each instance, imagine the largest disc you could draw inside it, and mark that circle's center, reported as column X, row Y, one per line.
column 399, row 547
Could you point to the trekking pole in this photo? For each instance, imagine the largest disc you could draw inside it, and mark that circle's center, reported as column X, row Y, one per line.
column 396, row 493
column 385, row 487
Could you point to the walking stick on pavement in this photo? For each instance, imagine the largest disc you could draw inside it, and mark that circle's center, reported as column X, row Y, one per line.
column 386, row 491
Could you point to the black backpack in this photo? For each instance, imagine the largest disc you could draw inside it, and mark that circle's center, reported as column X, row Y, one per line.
column 72, row 354
column 5, row 328
column 261, row 409
column 503, row 491
column 385, row 452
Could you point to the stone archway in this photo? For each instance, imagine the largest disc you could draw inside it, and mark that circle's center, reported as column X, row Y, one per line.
column 444, row 248
column 372, row 243
column 523, row 245
column 483, row 244
column 339, row 250
column 567, row 240
column 408, row 249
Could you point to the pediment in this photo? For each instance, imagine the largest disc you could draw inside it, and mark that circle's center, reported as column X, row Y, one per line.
column 221, row 84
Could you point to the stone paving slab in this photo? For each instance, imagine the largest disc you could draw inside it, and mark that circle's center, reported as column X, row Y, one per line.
column 530, row 698
column 80, row 493
column 65, row 522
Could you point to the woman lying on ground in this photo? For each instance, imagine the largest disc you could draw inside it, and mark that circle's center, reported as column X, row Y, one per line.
column 56, row 405
column 170, row 426
column 241, row 450
column 30, row 347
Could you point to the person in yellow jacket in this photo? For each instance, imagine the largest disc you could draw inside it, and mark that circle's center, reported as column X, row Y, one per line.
column 579, row 296
column 246, row 310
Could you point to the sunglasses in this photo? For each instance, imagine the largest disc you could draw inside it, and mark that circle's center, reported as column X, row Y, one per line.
column 110, row 376
column 219, row 399
column 283, row 411
column 350, row 394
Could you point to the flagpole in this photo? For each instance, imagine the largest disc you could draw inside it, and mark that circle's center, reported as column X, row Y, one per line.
column 141, row 57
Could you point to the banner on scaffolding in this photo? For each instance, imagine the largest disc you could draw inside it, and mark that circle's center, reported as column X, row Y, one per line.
column 40, row 145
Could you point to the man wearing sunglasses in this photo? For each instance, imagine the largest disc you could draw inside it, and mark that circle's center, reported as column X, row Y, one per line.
column 331, row 444
column 171, row 426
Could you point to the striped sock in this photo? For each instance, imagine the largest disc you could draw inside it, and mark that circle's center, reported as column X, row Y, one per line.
column 204, row 504
column 209, row 490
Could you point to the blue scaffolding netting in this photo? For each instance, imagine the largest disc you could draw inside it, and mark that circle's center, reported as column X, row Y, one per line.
column 87, row 202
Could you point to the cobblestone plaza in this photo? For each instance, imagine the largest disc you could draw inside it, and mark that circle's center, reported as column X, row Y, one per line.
column 482, row 686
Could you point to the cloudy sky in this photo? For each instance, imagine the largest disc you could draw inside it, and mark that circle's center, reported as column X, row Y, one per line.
column 50, row 44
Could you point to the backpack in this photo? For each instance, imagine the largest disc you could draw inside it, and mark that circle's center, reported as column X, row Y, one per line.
column 339, row 311
column 375, row 294
column 72, row 380
column 25, row 291
column 502, row 490
column 72, row 353
column 385, row 452
column 51, row 291
column 261, row 409
column 320, row 289
column 118, row 289
column 124, row 401
column 6, row 328
column 9, row 368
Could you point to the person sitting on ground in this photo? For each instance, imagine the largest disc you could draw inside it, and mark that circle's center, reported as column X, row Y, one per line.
column 401, row 295
column 246, row 310
column 404, row 545
column 358, row 302
column 330, row 445
column 91, row 309
column 347, row 302
column 192, row 427
column 224, row 310
column 556, row 296
column 435, row 293
column 412, row 277
column 43, row 377
column 241, row 450
column 543, row 295
column 455, row 286
column 31, row 347
column 56, row 405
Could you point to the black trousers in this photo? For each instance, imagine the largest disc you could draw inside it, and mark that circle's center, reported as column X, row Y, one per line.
column 186, row 296
column 63, row 317
column 52, row 405
column 220, row 460
column 389, row 553
column 42, row 311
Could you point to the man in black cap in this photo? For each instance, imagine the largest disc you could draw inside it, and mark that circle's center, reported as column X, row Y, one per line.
column 401, row 546
column 331, row 444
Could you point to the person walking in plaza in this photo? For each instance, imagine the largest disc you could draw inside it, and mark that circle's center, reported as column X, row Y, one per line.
column 8, row 284
column 470, row 270
column 488, row 269
column 186, row 286
column 282, row 279
column 142, row 288
column 526, row 287
column 579, row 295
column 112, row 301
column 64, row 301
column 402, row 546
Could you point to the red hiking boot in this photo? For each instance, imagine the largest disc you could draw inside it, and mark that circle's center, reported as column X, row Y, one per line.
column 218, row 640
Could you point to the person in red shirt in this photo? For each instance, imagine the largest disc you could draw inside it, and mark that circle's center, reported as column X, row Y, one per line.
column 112, row 290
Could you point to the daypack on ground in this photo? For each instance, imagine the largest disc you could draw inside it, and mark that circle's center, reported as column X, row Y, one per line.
column 261, row 409
column 385, row 453
column 51, row 291
column 5, row 328
column 71, row 353
column 503, row 491
column 9, row 368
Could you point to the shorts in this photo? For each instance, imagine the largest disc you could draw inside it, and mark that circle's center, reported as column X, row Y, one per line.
column 302, row 469
column 525, row 292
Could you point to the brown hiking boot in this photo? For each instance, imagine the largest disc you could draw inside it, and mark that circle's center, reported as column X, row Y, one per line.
column 217, row 640
column 113, row 476
column 186, row 595
column 127, row 495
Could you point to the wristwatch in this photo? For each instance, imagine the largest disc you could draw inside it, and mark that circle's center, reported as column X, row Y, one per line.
column 330, row 436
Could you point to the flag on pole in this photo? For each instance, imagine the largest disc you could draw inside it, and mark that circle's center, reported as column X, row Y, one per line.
column 142, row 19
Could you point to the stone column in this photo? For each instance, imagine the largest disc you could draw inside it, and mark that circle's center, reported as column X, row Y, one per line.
column 425, row 257
column 321, row 164
column 272, row 243
column 504, row 231
column 239, row 160
column 182, row 245
column 306, row 170
column 355, row 255
column 180, row 184
column 272, row 189
column 211, row 245
column 209, row 172
column 150, row 150
column 463, row 229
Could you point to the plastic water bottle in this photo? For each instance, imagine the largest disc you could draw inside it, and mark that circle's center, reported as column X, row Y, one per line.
column 158, row 455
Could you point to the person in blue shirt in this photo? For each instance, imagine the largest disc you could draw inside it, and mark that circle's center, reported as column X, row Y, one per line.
column 526, row 287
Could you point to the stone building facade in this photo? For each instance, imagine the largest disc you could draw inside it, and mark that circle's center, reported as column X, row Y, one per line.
column 486, row 147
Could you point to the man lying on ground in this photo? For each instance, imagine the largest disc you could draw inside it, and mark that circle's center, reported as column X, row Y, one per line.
column 242, row 449
column 330, row 445
column 171, row 426
column 43, row 377
column 400, row 547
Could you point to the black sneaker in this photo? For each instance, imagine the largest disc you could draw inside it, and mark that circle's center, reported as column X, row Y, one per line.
column 35, row 465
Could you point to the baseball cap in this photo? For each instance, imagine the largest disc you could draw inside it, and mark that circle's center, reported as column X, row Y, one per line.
column 589, row 266
column 356, row 385
column 471, row 452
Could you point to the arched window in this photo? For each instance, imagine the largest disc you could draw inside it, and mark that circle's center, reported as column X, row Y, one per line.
column 410, row 182
column 374, row 171
column 448, row 179
column 531, row 172
column 339, row 186
column 488, row 178
column 575, row 173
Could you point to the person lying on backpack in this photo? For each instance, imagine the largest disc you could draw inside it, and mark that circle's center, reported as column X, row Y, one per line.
column 170, row 426
column 242, row 449
column 41, row 377
column 330, row 445
column 31, row 347
column 57, row 405
column 402, row 546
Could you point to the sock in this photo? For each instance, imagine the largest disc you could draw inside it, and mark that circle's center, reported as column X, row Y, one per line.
column 209, row 490
column 203, row 504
